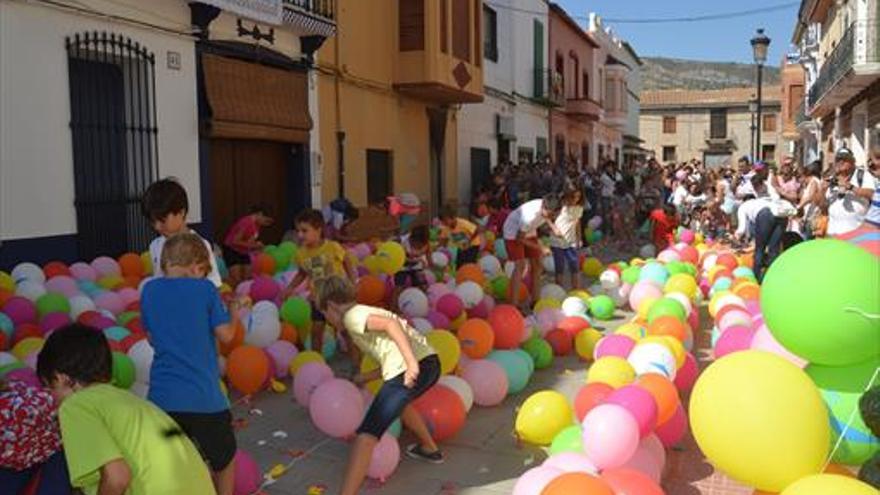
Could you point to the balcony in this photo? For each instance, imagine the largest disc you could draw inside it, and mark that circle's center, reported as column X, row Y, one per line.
column 616, row 117
column 549, row 88
column 852, row 66
column 314, row 17
column 584, row 109
column 719, row 141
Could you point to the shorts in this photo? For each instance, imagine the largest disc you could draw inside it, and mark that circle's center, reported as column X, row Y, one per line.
column 234, row 258
column 393, row 397
column 212, row 434
column 517, row 251
column 405, row 279
column 467, row 256
column 565, row 260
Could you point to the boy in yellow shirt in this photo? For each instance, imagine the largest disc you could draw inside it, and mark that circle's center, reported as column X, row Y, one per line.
column 460, row 233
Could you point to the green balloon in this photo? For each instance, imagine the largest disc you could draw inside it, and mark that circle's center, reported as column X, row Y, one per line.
column 630, row 275
column 602, row 307
column 667, row 307
column 821, row 301
column 841, row 388
column 123, row 371
column 124, row 318
column 11, row 367
column 288, row 247
column 568, row 440
column 676, row 267
column 297, row 311
column 52, row 302
column 500, row 286
column 515, row 368
column 281, row 257
column 540, row 351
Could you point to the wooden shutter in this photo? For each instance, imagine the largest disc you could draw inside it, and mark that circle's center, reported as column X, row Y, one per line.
column 539, row 58
column 478, row 37
column 411, row 25
column 461, row 29
column 444, row 26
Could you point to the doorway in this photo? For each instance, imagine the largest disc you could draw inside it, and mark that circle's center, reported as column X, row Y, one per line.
column 379, row 176
column 481, row 169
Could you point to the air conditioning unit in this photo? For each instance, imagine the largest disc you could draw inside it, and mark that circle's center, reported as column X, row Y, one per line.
column 504, row 127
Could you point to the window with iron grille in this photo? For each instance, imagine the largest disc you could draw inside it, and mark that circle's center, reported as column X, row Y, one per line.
column 113, row 129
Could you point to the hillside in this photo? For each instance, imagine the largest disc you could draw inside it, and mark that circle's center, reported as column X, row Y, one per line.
column 670, row 73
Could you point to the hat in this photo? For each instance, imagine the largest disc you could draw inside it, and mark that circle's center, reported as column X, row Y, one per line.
column 759, row 165
column 844, row 154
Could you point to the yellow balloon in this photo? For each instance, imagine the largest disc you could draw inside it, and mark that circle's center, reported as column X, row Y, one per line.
column 585, row 341
column 448, row 349
column 7, row 282
column 542, row 416
column 713, row 301
column 632, row 330
column 26, row 347
column 303, row 358
column 826, row 484
column 110, row 281
column 760, row 419
column 699, row 238
column 681, row 282
column 392, row 257
column 637, row 262
column 582, row 294
column 547, row 304
column 458, row 321
column 374, row 264
column 147, row 261
column 369, row 364
column 592, row 267
column 645, row 307
column 611, row 370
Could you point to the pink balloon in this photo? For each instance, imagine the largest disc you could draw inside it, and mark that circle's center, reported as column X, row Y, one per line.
column 571, row 462
column 613, row 345
column 244, row 288
column 548, row 318
column 655, row 447
column 247, row 474
column 694, row 319
column 481, row 310
column 764, row 340
column 102, row 322
column 53, row 321
column 282, row 353
column 264, row 288
column 83, row 271
column 734, row 339
column 385, row 458
column 111, row 302
column 62, row 284
column 436, row 291
column 309, row 377
column 705, row 287
column 668, row 255
column 672, row 431
column 687, row 374
column 439, row 320
column 610, row 436
column 645, row 461
column 488, row 381
column 336, row 407
column 642, row 290
column 128, row 295
column 640, row 403
column 20, row 310
column 450, row 305
column 734, row 318
column 105, row 266
column 753, row 306
column 687, row 236
column 533, row 481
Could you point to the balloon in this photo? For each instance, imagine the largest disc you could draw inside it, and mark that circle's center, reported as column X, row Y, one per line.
column 642, row 291
column 141, row 354
column 262, row 326
column 247, row 474
column 52, row 303
column 686, row 376
column 571, row 483
column 830, row 327
column 590, row 396
column 571, row 462
column 20, row 310
column 664, row 392
column 413, row 303
column 443, row 412
column 487, row 380
column 307, row 379
column 640, row 404
column 336, row 408
column 439, row 320
column 297, row 311
column 627, row 481
column 668, row 325
column 490, row 266
column 567, row 440
column 540, row 351
column 825, row 484
column 516, row 369
column 370, row 290
column 476, row 337
column 613, row 345
column 542, row 416
column 460, row 387
column 592, row 267
column 560, row 341
column 763, row 340
column 264, row 288
column 602, row 307
column 672, row 431
column 585, row 343
column 574, row 306
column 649, row 458
column 732, row 340
column 123, row 370
column 533, row 481
column 611, row 370
column 610, row 435
column 450, row 305
column 743, row 435
column 666, row 306
column 508, row 325
column 447, row 347
column 385, row 458
column 282, row 353
column 653, row 358
column 247, row 369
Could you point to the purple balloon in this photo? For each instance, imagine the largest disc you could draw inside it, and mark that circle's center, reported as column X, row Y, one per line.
column 571, row 462
column 282, row 353
column 20, row 310
column 439, row 320
column 336, row 407
column 53, row 321
column 309, row 377
column 640, row 403
column 62, row 284
column 83, row 271
column 264, row 288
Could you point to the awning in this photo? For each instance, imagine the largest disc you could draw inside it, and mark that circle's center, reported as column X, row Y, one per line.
column 253, row 101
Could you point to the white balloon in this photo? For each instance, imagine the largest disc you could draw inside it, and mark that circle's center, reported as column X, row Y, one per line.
column 28, row 271
column 470, row 294
column 422, row 325
column 262, row 326
column 574, row 306
column 413, row 303
column 549, row 264
column 709, row 261
column 141, row 354
column 490, row 266
column 609, row 280
column 79, row 305
column 30, row 289
column 652, row 357
column 552, row 291
column 439, row 260
column 460, row 387
column 140, row 389
column 647, row 251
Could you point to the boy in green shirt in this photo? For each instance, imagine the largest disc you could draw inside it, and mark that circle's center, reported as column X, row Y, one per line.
column 115, row 442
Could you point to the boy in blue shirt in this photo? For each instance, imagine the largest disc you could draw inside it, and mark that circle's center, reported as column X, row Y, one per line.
column 183, row 315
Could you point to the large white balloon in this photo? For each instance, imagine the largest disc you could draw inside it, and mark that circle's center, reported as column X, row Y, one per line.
column 413, row 303
column 574, row 306
column 490, row 266
column 470, row 294
column 28, row 271
column 141, row 354
column 262, row 326
column 652, row 357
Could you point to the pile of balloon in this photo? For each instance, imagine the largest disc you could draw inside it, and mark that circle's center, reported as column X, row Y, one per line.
column 779, row 408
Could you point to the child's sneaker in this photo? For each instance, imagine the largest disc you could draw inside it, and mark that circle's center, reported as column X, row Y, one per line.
column 417, row 452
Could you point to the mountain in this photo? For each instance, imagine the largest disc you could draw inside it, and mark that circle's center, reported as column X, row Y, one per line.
column 672, row 73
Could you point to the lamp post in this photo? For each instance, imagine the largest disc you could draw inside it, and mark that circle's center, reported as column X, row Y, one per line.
column 753, row 107
column 760, row 44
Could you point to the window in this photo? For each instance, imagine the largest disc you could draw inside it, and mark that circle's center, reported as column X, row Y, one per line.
column 538, row 58
column 461, row 29
column 379, row 176
column 411, row 25
column 768, row 122
column 768, row 152
column 490, row 34
column 669, row 125
column 718, row 123
column 585, row 154
column 586, row 84
column 669, row 154
column 541, row 147
column 113, row 131
column 444, row 26
column 575, row 84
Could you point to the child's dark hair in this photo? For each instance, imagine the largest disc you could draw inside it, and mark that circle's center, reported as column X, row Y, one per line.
column 419, row 236
column 669, row 209
column 790, row 239
column 551, row 202
column 311, row 217
column 261, row 208
column 162, row 198
column 447, row 213
column 495, row 203
column 78, row 351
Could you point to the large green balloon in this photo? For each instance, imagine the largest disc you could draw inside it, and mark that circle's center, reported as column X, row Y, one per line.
column 630, row 275
column 123, row 370
column 821, row 300
column 841, row 387
column 602, row 307
column 52, row 302
column 515, row 368
column 296, row 311
column 540, row 351
column 568, row 440
column 667, row 307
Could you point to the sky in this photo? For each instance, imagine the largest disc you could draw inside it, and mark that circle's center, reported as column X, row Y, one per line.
column 716, row 40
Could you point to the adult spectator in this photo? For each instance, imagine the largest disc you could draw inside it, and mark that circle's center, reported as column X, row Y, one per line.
column 848, row 193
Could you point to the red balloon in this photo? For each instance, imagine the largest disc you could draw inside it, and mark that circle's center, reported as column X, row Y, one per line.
column 130, row 340
column 135, row 325
column 26, row 330
column 728, row 260
column 509, row 326
column 442, row 410
column 590, row 396
column 672, row 431
column 572, row 325
column 54, row 269
column 626, row 481
column 560, row 341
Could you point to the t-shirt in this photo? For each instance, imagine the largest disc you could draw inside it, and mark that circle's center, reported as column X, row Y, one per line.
column 497, row 219
column 567, row 222
column 525, row 219
column 156, row 257
column 102, row 423
column 846, row 213
column 245, row 228
column 325, row 260
column 664, row 229
column 460, row 235
column 414, row 261
column 873, row 215
column 679, row 196
column 28, row 426
column 748, row 213
column 180, row 315
column 378, row 344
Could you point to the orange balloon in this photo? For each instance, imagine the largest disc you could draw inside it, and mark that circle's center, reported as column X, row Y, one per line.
column 55, row 268
column 132, row 281
column 523, row 292
column 664, row 393
column 237, row 339
column 288, row 332
column 668, row 325
column 751, row 291
column 728, row 260
column 630, row 481
column 131, row 265
column 264, row 264
column 577, row 483
column 470, row 272
column 721, row 272
column 247, row 369
column 370, row 290
column 476, row 337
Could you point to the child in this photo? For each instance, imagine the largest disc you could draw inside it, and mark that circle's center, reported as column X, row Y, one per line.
column 165, row 205
column 30, row 443
column 243, row 239
column 317, row 259
column 114, row 441
column 497, row 215
column 464, row 234
column 408, row 366
column 565, row 247
column 664, row 225
column 418, row 254
column 182, row 314
column 521, row 240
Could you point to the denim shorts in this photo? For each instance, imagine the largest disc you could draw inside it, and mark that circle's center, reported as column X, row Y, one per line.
column 565, row 260
column 393, row 397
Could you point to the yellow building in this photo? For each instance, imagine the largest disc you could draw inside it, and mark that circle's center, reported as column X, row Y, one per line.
column 389, row 87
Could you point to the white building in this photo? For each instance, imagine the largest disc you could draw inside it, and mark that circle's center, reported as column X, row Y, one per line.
column 512, row 122
column 98, row 98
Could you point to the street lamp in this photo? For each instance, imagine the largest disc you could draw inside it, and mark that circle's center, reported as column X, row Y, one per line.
column 760, row 44
column 753, row 107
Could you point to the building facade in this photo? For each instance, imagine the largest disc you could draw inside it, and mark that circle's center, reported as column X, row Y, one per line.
column 124, row 95
column 512, row 122
column 839, row 48
column 713, row 126
column 389, row 87
column 793, row 109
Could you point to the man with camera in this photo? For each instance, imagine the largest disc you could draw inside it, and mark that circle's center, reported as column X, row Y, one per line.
column 849, row 193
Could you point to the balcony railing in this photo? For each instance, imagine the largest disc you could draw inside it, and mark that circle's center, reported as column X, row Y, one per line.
column 717, row 139
column 584, row 107
column 320, row 8
column 859, row 45
column 800, row 114
column 549, row 88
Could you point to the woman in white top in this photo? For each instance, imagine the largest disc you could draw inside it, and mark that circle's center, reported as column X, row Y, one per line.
column 812, row 197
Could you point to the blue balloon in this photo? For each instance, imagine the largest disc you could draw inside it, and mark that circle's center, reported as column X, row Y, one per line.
column 515, row 368
column 500, row 249
column 654, row 271
column 6, row 325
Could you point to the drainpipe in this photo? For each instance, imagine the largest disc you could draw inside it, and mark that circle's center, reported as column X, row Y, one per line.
column 340, row 134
